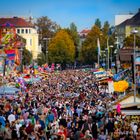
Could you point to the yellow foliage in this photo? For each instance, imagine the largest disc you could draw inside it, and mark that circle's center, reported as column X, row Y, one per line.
column 61, row 48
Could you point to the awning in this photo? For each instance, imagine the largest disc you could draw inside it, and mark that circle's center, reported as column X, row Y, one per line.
column 130, row 112
column 137, row 60
column 8, row 90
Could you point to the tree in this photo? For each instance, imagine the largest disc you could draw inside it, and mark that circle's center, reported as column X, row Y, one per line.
column 46, row 29
column 41, row 59
column 74, row 34
column 61, row 48
column 75, row 37
column 105, row 28
column 27, row 57
column 89, row 48
column 108, row 34
column 98, row 23
column 129, row 41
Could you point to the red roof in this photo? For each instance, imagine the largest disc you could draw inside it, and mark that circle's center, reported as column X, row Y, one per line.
column 134, row 21
column 85, row 31
column 15, row 21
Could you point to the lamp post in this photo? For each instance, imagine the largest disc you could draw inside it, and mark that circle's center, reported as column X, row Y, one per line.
column 108, row 52
column 134, row 32
column 47, row 39
column 115, row 53
column 111, row 46
column 21, row 57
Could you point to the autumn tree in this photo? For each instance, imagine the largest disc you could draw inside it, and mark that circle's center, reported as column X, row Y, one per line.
column 105, row 28
column 72, row 30
column 108, row 34
column 89, row 48
column 129, row 41
column 74, row 34
column 88, row 52
column 61, row 48
column 46, row 29
column 41, row 59
column 27, row 57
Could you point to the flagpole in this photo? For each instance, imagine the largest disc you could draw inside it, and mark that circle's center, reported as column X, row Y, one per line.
column 99, row 51
column 108, row 52
column 98, row 60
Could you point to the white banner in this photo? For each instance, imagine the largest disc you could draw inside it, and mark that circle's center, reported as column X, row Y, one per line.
column 110, row 86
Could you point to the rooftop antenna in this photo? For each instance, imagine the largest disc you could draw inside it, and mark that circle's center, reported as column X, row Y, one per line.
column 30, row 16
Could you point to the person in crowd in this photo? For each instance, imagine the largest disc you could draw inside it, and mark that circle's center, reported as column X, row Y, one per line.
column 71, row 105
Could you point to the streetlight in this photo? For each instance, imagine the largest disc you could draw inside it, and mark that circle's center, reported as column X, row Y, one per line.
column 108, row 52
column 134, row 32
column 103, row 58
column 117, row 55
column 47, row 39
column 21, row 57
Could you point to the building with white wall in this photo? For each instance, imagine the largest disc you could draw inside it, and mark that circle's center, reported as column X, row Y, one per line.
column 121, row 18
column 26, row 30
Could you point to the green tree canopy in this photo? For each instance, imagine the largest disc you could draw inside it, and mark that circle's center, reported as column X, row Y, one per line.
column 105, row 28
column 74, row 34
column 89, row 48
column 98, row 23
column 72, row 30
column 46, row 29
column 61, row 48
column 106, row 35
column 27, row 57
column 41, row 59
column 129, row 41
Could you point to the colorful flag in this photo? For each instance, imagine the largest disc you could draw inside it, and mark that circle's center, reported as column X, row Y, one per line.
column 99, row 48
column 1, row 65
column 52, row 67
column 10, row 56
column 17, row 57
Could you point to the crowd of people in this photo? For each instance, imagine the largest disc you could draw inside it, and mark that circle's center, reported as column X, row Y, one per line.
column 69, row 104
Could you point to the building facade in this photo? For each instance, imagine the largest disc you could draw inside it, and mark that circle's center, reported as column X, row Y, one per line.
column 26, row 30
column 82, row 35
column 121, row 18
column 124, row 29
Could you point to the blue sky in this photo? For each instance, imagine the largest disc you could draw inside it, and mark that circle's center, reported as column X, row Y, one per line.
column 82, row 12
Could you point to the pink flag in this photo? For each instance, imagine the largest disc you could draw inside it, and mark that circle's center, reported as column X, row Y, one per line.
column 52, row 67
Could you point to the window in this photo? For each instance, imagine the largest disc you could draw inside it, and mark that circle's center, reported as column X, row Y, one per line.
column 29, row 31
column 18, row 31
column 22, row 31
column 30, row 42
column 26, row 31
